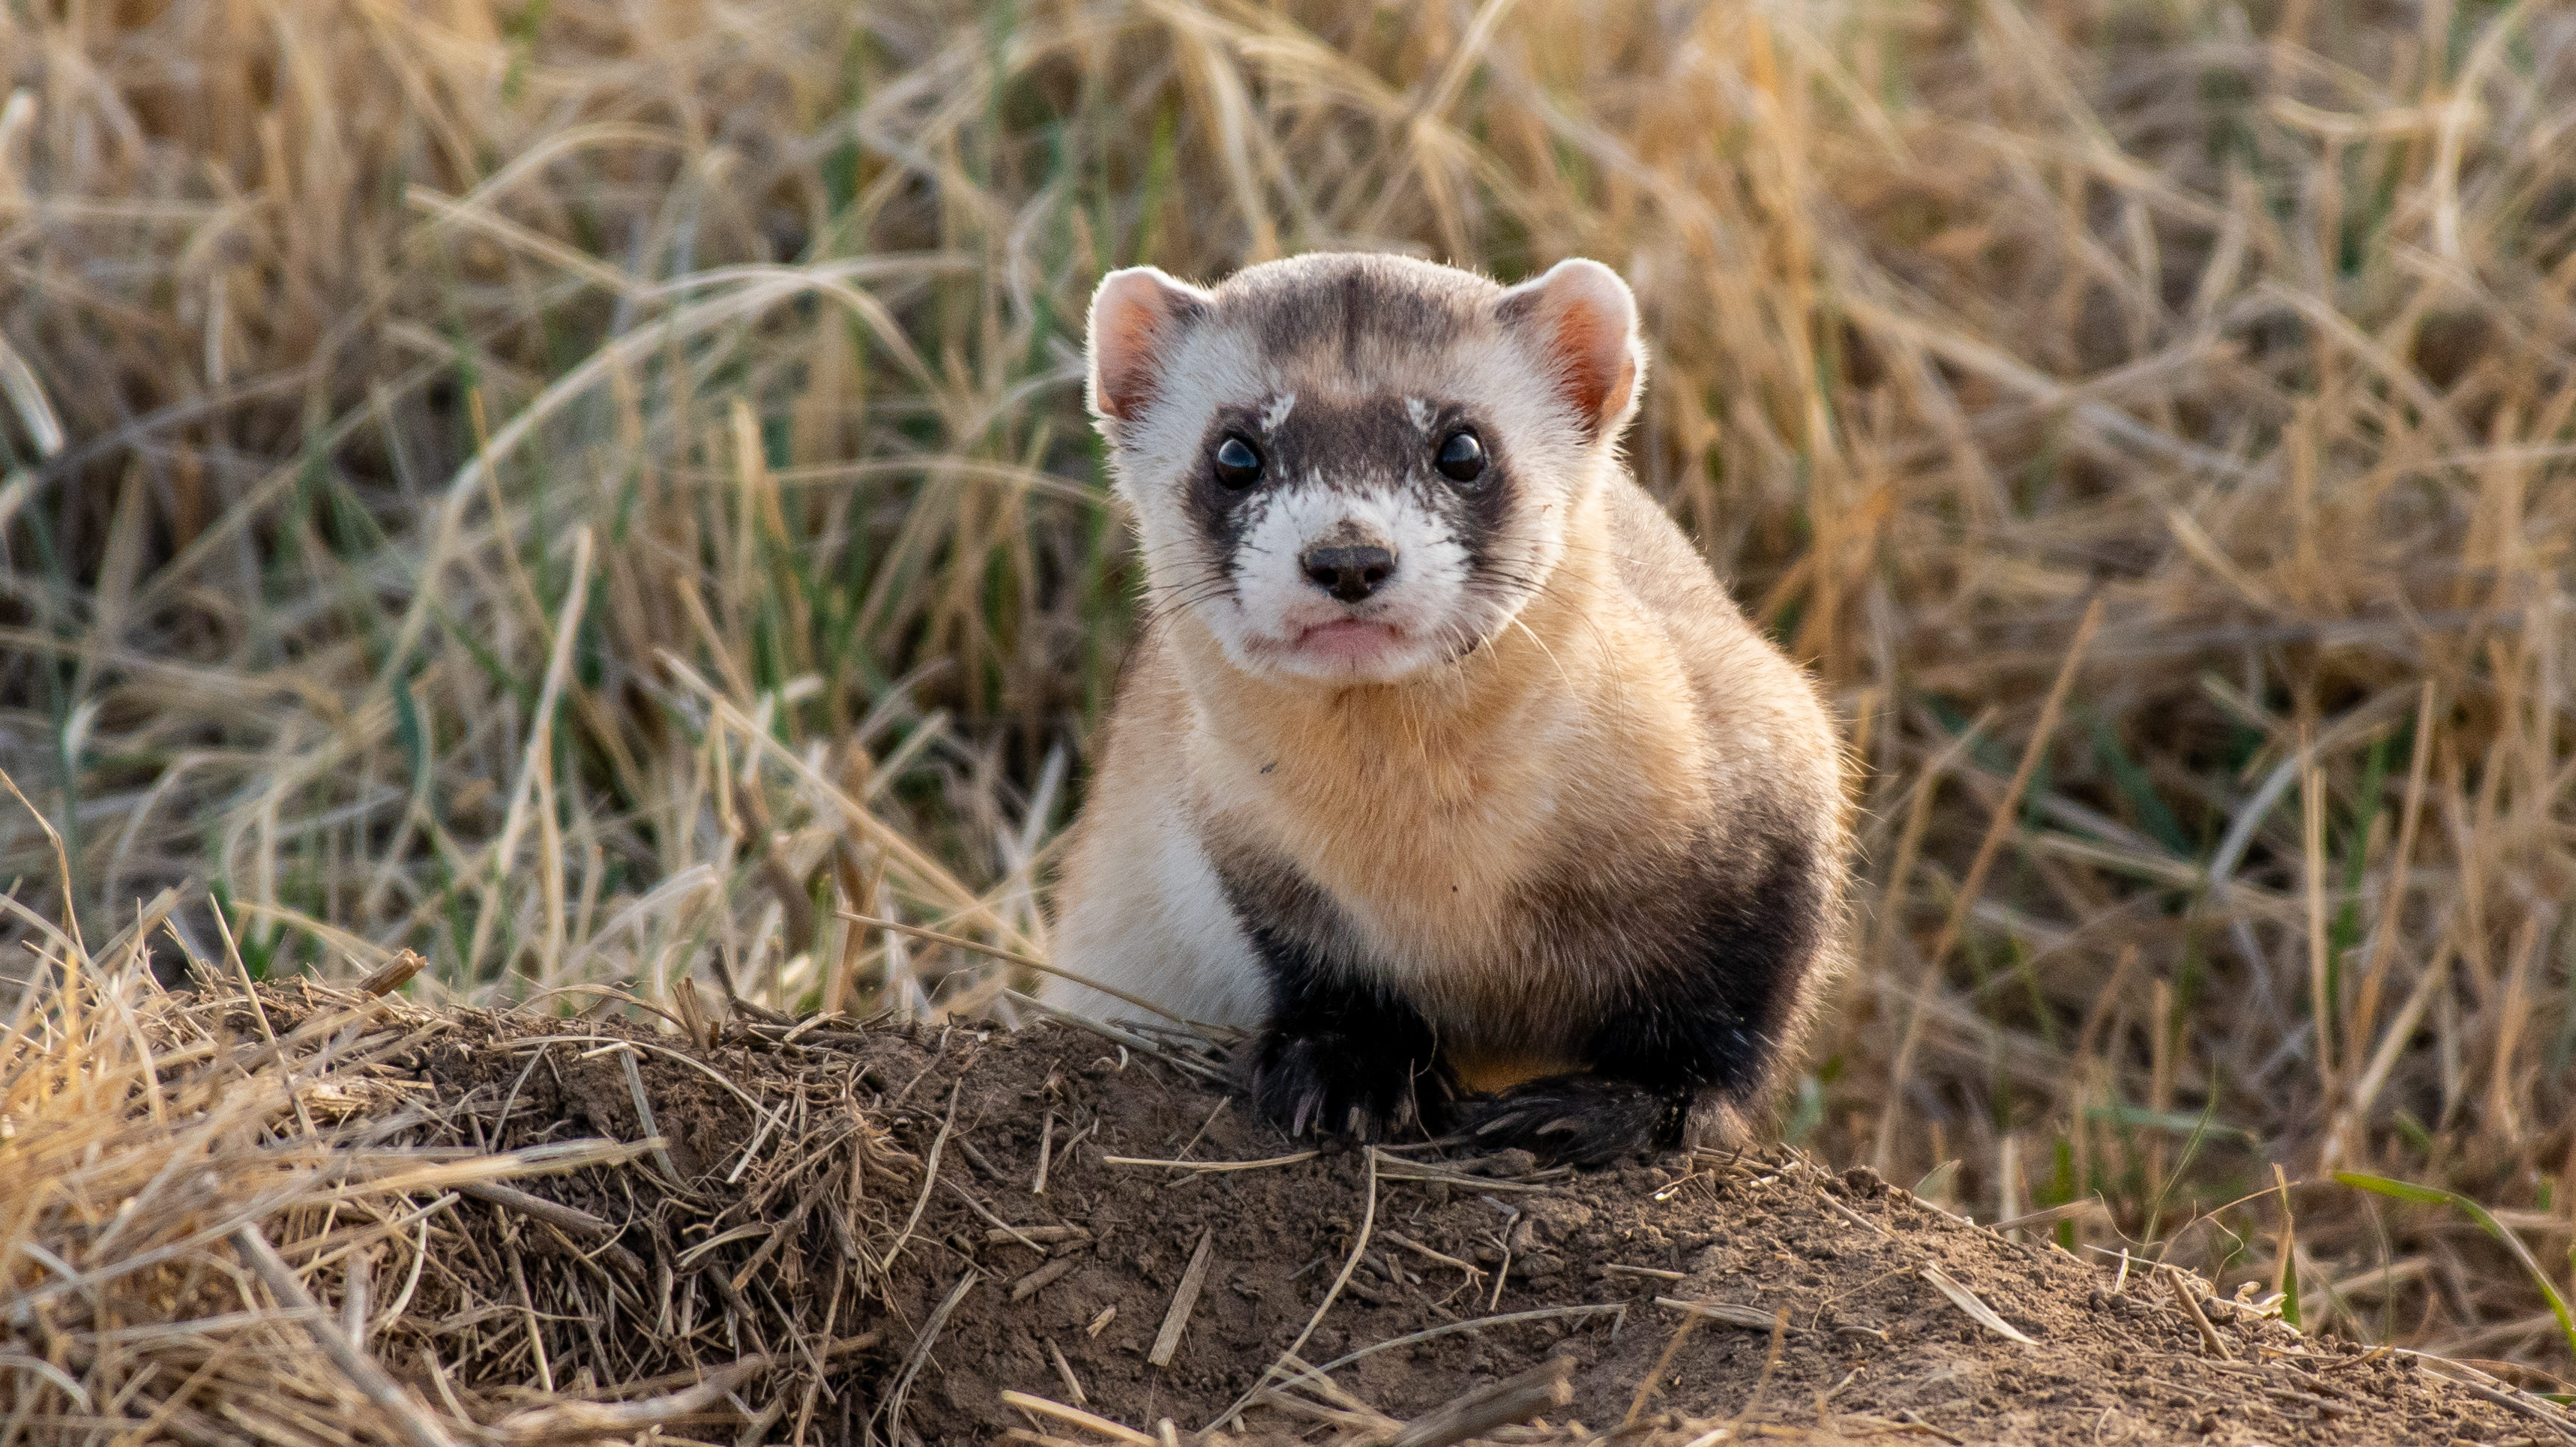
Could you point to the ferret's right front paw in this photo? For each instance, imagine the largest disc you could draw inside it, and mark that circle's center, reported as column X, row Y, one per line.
column 1339, row 1085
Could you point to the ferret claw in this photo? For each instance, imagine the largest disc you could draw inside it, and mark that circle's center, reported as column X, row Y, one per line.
column 1325, row 1086
column 1578, row 1120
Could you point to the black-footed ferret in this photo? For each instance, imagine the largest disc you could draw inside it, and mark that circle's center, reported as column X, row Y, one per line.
column 1443, row 760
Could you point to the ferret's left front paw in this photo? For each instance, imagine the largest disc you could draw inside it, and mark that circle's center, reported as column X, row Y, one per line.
column 1333, row 1084
column 1578, row 1120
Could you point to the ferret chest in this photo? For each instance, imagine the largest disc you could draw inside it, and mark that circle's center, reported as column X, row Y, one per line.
column 1430, row 853
column 1389, row 813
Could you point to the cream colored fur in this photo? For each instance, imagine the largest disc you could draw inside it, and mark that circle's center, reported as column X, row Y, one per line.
column 1617, row 707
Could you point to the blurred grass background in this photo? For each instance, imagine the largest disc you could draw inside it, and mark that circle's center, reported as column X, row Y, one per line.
column 589, row 490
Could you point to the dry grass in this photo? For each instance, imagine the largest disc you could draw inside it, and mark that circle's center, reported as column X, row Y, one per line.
column 209, row 1169
column 141, row 1314
column 571, row 488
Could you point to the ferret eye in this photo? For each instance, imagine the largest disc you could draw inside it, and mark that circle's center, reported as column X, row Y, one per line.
column 1462, row 457
column 1238, row 463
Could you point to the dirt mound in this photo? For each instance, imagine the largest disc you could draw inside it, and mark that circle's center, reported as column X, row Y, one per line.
column 952, row 1235
column 1816, row 1303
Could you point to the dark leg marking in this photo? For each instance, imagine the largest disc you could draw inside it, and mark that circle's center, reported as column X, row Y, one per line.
column 1341, row 1057
column 1706, row 1021
column 1341, row 1054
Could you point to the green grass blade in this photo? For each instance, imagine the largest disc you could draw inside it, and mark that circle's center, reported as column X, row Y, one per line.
column 2436, row 1196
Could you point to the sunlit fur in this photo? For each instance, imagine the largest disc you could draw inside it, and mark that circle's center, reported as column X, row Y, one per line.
column 1588, row 705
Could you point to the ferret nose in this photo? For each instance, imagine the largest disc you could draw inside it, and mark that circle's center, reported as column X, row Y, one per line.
column 1349, row 573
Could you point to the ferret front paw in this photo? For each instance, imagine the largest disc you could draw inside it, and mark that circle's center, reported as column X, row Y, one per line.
column 1578, row 1120
column 1338, row 1085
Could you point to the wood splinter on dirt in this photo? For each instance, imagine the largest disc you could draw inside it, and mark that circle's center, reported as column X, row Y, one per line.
column 1184, row 1300
column 1044, row 1277
column 1037, row 1406
column 1210, row 1167
column 1036, row 1235
column 2209, row 1337
column 1507, row 1403
column 1002, row 1230
column 1751, row 1318
column 1443, row 1258
column 393, row 974
column 652, row 1132
column 1064, row 1371
column 1975, row 1306
column 919, row 1352
column 571, row 1220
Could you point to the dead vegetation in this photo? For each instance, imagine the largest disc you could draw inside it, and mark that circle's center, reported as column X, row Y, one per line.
column 321, row 1217
column 572, row 489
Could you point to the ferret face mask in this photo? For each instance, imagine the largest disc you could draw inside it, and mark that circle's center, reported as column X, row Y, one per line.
column 1354, row 469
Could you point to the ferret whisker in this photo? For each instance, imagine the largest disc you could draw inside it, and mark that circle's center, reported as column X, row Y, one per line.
column 1562, row 676
column 1183, row 595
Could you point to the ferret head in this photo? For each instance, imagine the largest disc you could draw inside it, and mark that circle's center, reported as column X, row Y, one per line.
column 1355, row 468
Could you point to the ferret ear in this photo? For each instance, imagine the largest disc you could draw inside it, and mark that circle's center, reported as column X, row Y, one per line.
column 1581, row 318
column 1137, row 316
